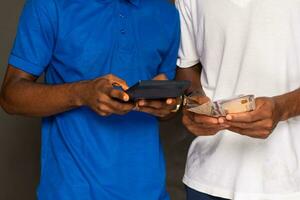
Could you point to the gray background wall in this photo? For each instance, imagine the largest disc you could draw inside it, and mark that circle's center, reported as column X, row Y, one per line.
column 20, row 137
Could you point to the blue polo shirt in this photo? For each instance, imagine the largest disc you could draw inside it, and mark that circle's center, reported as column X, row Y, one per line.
column 86, row 156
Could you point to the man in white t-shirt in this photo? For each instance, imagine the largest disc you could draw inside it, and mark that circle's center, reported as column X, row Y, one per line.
column 232, row 47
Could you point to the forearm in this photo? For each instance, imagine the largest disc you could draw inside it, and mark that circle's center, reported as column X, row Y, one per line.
column 288, row 104
column 24, row 97
column 192, row 74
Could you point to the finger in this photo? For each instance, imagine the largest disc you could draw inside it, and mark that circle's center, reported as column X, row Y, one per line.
column 120, row 108
column 102, row 113
column 168, row 103
column 117, row 81
column 261, row 112
column 205, row 119
column 155, row 112
column 212, row 126
column 266, row 124
column 160, row 77
column 117, row 94
column 171, row 101
column 103, row 110
column 243, row 125
column 188, row 120
column 221, row 120
column 189, row 114
column 115, row 106
column 245, row 117
column 157, row 104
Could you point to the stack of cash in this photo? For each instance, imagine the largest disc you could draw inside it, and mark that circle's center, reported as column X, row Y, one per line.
column 242, row 103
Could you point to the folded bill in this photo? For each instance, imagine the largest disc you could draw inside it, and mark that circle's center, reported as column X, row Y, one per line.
column 239, row 104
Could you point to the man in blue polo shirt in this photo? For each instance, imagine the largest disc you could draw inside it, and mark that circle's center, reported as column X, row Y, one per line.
column 93, row 145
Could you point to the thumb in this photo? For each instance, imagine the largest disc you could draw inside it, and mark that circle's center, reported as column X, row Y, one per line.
column 160, row 77
column 116, row 81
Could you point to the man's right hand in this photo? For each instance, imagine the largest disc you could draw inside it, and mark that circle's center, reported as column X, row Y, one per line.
column 202, row 125
column 101, row 96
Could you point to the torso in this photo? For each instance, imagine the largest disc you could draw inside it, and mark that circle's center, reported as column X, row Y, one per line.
column 247, row 47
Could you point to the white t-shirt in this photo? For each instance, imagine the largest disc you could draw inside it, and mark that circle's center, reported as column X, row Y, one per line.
column 245, row 47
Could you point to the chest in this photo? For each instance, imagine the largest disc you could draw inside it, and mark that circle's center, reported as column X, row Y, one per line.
column 97, row 39
column 231, row 12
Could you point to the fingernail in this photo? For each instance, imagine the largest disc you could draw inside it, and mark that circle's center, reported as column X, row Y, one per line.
column 126, row 98
column 221, row 121
column 169, row 101
column 228, row 117
column 141, row 103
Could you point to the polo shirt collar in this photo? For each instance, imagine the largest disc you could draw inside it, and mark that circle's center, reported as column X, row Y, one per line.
column 134, row 2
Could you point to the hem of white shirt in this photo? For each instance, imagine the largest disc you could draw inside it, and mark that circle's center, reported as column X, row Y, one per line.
column 229, row 194
column 186, row 63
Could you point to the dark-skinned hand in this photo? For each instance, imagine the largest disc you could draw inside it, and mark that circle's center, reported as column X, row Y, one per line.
column 158, row 108
column 202, row 125
column 101, row 96
column 259, row 123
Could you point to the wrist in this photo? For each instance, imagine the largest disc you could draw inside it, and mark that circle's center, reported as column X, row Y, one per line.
column 196, row 92
column 281, row 108
column 80, row 93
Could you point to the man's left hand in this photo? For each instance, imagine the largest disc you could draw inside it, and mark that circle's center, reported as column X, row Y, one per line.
column 158, row 108
column 259, row 123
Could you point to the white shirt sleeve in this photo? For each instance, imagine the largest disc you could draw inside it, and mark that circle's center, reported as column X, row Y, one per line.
column 188, row 55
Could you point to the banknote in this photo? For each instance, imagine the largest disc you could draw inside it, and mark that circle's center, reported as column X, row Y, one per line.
column 238, row 104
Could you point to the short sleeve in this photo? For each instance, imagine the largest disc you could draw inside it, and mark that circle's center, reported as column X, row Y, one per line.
column 187, row 55
column 168, row 64
column 34, row 43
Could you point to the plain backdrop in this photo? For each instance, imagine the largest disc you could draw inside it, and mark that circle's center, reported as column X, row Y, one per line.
column 20, row 136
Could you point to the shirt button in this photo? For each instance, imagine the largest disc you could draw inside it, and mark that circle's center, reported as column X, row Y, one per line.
column 123, row 31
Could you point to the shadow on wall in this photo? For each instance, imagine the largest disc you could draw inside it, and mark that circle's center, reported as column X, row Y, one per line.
column 19, row 137
column 19, row 157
